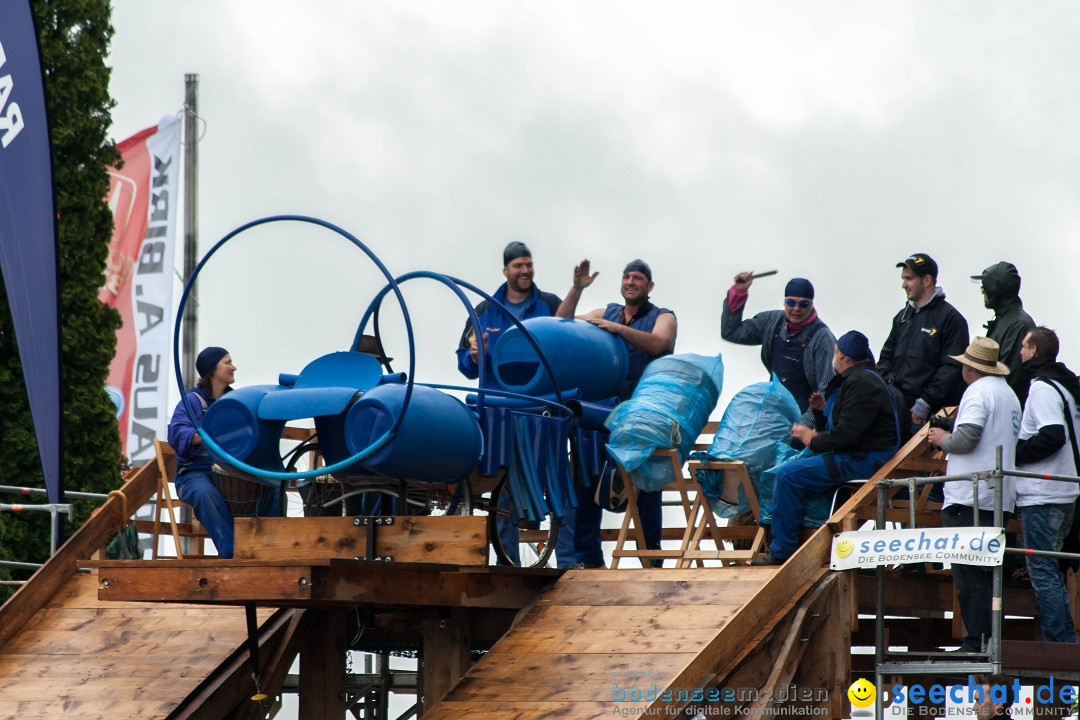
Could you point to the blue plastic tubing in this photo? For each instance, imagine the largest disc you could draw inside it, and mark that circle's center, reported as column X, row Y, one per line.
column 455, row 285
column 584, row 357
column 212, row 445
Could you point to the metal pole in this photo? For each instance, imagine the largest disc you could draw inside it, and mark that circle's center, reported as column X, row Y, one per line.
column 191, row 221
column 879, row 602
column 999, row 573
column 191, row 243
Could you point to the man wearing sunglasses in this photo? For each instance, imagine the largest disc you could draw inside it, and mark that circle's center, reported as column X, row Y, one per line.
column 795, row 344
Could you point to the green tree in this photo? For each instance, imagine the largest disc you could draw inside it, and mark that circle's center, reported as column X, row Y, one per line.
column 74, row 36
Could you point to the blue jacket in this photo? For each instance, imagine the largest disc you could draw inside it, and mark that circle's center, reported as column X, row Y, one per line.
column 494, row 321
column 182, row 431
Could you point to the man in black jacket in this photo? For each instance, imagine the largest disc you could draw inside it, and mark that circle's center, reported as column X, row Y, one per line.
column 1001, row 293
column 915, row 357
column 858, row 429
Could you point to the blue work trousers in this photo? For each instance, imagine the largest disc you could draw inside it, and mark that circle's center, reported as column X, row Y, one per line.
column 798, row 480
column 197, row 489
column 1045, row 527
column 587, row 543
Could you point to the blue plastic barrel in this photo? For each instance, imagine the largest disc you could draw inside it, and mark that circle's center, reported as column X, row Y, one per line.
column 233, row 421
column 438, row 441
column 583, row 357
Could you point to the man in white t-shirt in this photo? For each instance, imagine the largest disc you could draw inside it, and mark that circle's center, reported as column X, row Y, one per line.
column 1048, row 444
column 988, row 418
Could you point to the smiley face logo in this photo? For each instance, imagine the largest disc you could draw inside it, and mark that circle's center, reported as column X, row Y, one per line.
column 862, row 693
column 844, row 548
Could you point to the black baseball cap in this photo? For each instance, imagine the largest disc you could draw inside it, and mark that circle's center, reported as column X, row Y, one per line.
column 920, row 264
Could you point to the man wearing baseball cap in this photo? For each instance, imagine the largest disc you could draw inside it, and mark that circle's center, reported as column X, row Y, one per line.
column 855, row 434
column 988, row 417
column 916, row 355
column 520, row 296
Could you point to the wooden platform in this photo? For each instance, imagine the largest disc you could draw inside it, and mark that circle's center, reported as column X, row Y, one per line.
column 80, row 657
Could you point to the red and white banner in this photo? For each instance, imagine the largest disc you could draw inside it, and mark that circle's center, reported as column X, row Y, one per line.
column 145, row 200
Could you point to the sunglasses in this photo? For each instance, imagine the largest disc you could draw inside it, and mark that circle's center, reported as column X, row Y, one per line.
column 790, row 302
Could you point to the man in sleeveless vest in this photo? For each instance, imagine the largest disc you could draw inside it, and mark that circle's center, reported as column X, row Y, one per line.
column 857, row 430
column 649, row 332
column 796, row 345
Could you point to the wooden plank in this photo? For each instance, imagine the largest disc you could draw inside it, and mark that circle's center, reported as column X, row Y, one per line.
column 174, row 582
column 83, row 710
column 515, row 710
column 62, row 667
column 657, row 619
column 561, row 640
column 87, row 642
column 655, row 592
column 717, row 574
column 451, row 539
column 566, row 677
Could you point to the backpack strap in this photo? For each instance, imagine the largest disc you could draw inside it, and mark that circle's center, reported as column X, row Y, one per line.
column 892, row 403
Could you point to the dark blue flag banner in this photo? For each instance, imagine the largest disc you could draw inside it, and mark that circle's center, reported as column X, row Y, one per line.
column 28, row 229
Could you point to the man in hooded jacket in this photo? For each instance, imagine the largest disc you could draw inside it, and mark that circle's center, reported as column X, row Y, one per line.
column 1001, row 293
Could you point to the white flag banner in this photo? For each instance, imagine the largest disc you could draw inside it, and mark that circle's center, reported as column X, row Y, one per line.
column 958, row 545
column 145, row 201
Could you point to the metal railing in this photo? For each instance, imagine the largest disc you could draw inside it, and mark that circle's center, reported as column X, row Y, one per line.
column 988, row 659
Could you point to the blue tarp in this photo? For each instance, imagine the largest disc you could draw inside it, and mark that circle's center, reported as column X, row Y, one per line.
column 669, row 407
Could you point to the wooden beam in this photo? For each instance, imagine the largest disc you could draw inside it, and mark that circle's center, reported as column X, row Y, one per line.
column 451, row 539
column 231, row 685
column 445, row 655
column 323, row 664
column 331, row 583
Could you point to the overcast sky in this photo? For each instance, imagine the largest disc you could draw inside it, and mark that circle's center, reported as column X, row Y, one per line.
column 827, row 140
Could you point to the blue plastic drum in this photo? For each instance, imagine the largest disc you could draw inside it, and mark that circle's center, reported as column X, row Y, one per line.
column 438, row 441
column 583, row 357
column 233, row 421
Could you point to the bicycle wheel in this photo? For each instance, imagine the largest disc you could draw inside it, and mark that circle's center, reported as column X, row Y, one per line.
column 530, row 545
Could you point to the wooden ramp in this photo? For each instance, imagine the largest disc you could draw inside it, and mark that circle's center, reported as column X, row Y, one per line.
column 65, row 653
column 81, row 657
column 600, row 640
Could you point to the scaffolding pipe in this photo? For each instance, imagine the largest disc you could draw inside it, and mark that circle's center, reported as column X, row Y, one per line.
column 69, row 494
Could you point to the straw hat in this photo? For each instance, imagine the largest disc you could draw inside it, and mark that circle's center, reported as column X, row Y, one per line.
column 982, row 355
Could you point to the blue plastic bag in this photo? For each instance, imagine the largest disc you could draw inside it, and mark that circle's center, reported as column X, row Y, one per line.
column 670, row 406
column 755, row 429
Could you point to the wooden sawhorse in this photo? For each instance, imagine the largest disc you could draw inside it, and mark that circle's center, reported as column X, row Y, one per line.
column 700, row 522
